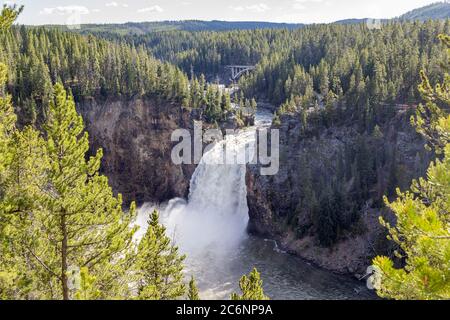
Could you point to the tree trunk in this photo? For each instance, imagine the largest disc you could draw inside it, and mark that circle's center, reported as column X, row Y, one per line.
column 64, row 280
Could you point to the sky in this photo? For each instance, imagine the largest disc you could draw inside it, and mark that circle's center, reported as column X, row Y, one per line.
column 294, row 11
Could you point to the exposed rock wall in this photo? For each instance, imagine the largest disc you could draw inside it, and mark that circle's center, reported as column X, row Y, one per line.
column 135, row 137
column 277, row 203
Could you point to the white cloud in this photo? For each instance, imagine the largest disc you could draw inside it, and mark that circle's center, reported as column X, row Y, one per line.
column 302, row 4
column 260, row 7
column 298, row 6
column 155, row 8
column 10, row 3
column 305, row 1
column 65, row 10
column 115, row 4
column 238, row 8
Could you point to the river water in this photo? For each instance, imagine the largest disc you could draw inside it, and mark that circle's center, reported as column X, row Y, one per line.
column 210, row 228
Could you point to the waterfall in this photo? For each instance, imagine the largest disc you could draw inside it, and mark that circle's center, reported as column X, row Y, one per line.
column 216, row 213
column 210, row 228
column 215, row 216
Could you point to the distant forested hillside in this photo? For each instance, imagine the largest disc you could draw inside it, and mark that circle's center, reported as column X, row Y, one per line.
column 366, row 67
column 140, row 28
column 208, row 52
column 95, row 68
column 440, row 10
column 350, row 63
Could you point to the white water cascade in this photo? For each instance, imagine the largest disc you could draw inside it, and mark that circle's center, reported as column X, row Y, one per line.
column 216, row 215
column 210, row 228
column 212, row 223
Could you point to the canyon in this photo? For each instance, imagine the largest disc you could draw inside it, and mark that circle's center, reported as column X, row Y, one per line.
column 135, row 136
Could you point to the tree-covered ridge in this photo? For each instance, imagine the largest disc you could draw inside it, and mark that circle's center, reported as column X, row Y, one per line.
column 95, row 68
column 353, row 62
column 140, row 28
column 208, row 52
column 438, row 10
column 349, row 65
column 434, row 11
column 36, row 58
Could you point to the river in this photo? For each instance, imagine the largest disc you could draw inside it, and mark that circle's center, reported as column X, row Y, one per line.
column 210, row 228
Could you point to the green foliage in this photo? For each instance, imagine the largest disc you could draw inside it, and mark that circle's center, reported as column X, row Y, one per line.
column 343, row 70
column 193, row 290
column 90, row 67
column 437, row 101
column 422, row 233
column 193, row 26
column 251, row 287
column 158, row 265
column 87, row 289
column 8, row 273
column 61, row 213
column 422, row 230
column 8, row 15
column 7, row 121
column 82, row 211
column 327, row 221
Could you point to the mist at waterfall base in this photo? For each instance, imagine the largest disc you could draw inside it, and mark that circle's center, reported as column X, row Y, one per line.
column 210, row 228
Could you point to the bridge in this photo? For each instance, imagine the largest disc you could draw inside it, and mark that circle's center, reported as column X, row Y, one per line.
column 237, row 71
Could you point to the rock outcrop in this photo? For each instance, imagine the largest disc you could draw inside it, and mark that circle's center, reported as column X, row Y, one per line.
column 277, row 203
column 135, row 137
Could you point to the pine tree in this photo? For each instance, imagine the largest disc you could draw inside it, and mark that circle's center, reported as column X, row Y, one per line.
column 9, row 270
column 7, row 117
column 422, row 233
column 422, row 230
column 193, row 290
column 7, row 121
column 76, row 221
column 86, row 287
column 251, row 287
column 226, row 102
column 8, row 15
column 7, row 130
column 158, row 265
column 326, row 221
column 437, row 101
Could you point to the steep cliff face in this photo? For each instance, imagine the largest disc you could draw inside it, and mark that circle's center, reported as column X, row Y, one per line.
column 282, row 206
column 135, row 137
